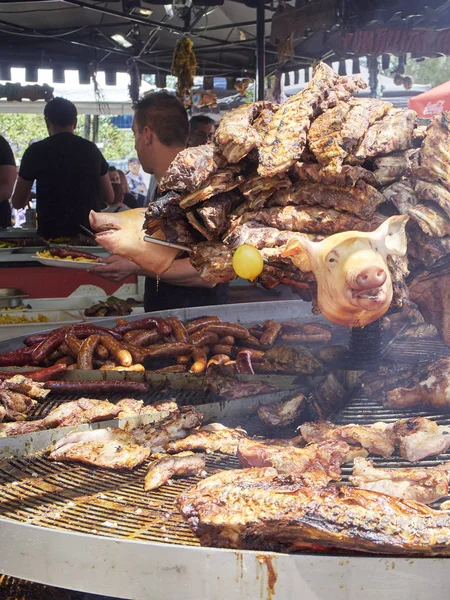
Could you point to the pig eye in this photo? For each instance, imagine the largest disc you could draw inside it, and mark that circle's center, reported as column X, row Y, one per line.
column 331, row 260
column 376, row 249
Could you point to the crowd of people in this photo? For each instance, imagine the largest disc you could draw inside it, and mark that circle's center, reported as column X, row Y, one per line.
column 72, row 178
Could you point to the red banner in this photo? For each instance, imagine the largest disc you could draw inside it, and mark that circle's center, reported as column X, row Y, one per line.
column 422, row 42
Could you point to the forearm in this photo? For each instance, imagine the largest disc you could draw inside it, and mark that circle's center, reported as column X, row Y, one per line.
column 181, row 273
column 21, row 193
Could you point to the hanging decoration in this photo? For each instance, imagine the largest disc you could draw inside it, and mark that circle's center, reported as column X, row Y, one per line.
column 100, row 98
column 135, row 80
column 184, row 66
column 16, row 92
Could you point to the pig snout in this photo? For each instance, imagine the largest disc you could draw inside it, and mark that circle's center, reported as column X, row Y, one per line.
column 370, row 277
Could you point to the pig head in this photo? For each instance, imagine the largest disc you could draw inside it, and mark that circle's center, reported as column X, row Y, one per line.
column 354, row 286
column 121, row 233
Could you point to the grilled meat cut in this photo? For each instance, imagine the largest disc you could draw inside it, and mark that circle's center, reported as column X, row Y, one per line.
column 420, row 331
column 308, row 219
column 431, row 293
column 426, row 485
column 327, row 398
column 402, row 195
column 21, row 427
column 293, row 359
column 284, row 413
column 325, row 139
column 434, row 155
column 391, row 133
column 392, row 167
column 157, row 436
column 215, row 212
column 361, row 200
column 270, row 512
column 434, row 192
column 236, row 136
column 108, row 434
column 418, row 438
column 166, row 206
column 83, row 410
column 432, row 219
column 257, row 190
column 349, row 176
column 224, row 384
column 17, row 406
column 211, row 438
column 191, row 168
column 108, row 455
column 427, row 250
column 287, row 134
column 130, row 407
column 364, row 112
column 185, row 464
column 213, row 261
column 223, row 181
column 253, row 234
column 434, row 391
column 374, row 441
column 23, row 385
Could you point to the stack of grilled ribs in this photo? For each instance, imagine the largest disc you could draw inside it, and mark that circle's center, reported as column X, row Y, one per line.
column 322, row 163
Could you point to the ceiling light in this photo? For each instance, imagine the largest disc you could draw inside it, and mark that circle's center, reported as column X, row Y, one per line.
column 169, row 10
column 145, row 12
column 242, row 36
column 119, row 39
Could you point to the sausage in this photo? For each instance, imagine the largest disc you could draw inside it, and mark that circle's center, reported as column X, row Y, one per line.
column 86, row 353
column 228, row 340
column 200, row 323
column 51, row 342
column 146, row 337
column 73, row 344
column 113, row 367
column 223, row 349
column 256, row 331
column 244, row 363
column 223, row 329
column 183, row 359
column 178, row 329
column 218, row 359
column 137, row 354
column 129, row 336
column 65, row 360
column 270, row 334
column 117, row 351
column 64, row 349
column 101, row 352
column 200, row 361
column 39, row 375
column 203, row 338
column 64, row 252
column 250, row 342
column 308, row 333
column 147, row 323
column 35, row 338
column 83, row 330
column 172, row 369
column 96, row 387
column 168, row 350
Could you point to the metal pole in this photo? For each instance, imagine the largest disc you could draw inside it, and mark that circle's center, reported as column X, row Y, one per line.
column 87, row 127
column 260, row 49
column 95, row 129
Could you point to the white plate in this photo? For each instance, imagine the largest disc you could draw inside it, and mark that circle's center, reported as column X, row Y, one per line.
column 65, row 264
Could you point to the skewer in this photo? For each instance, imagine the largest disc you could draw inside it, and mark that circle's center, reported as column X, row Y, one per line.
column 153, row 240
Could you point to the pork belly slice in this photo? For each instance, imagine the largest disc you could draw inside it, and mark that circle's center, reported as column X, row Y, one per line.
column 418, row 437
column 214, row 437
column 257, row 509
column 185, row 464
column 157, row 436
column 236, row 136
column 432, row 392
column 17, row 406
column 191, row 168
column 287, row 134
column 108, row 455
column 283, row 413
column 322, row 460
column 373, row 440
column 23, row 385
column 390, row 134
column 426, row 485
column 361, row 200
column 432, row 219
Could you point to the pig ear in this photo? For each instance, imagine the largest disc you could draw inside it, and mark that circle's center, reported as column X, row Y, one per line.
column 299, row 251
column 393, row 233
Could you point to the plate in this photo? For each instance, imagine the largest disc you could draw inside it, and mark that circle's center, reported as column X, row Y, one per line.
column 64, row 264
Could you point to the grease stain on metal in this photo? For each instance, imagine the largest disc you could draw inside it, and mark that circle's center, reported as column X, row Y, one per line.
column 272, row 576
column 240, row 567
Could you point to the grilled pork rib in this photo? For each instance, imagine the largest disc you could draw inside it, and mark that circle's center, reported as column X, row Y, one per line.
column 109, row 454
column 23, row 385
column 211, row 438
column 258, row 509
column 185, row 464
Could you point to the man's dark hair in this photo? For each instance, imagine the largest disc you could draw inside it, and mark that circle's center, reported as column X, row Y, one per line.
column 165, row 115
column 61, row 112
column 197, row 120
column 112, row 168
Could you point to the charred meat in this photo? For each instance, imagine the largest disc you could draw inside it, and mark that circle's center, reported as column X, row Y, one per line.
column 185, row 464
column 284, row 413
column 211, row 438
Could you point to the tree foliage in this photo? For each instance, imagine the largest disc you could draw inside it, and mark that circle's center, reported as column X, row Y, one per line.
column 432, row 70
column 21, row 129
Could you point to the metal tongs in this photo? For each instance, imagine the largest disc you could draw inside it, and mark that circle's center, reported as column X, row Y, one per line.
column 153, row 240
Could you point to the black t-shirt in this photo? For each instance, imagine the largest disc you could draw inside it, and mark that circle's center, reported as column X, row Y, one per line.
column 6, row 159
column 166, row 296
column 67, row 170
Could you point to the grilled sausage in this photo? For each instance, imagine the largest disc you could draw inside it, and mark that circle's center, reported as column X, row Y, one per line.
column 118, row 351
column 224, row 329
column 86, row 353
column 200, row 323
column 270, row 333
column 218, row 359
column 73, row 344
column 146, row 337
column 64, row 252
column 169, row 350
column 147, row 323
column 223, row 349
column 113, row 367
column 178, row 329
column 96, row 387
column 203, row 338
column 38, row 375
column 228, row 340
column 183, row 359
column 200, row 361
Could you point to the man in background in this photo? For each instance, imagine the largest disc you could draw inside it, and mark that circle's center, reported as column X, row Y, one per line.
column 8, row 174
column 135, row 180
column 161, row 129
column 70, row 172
column 201, row 130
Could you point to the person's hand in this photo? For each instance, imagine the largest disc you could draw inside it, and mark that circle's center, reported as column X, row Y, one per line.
column 115, row 268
